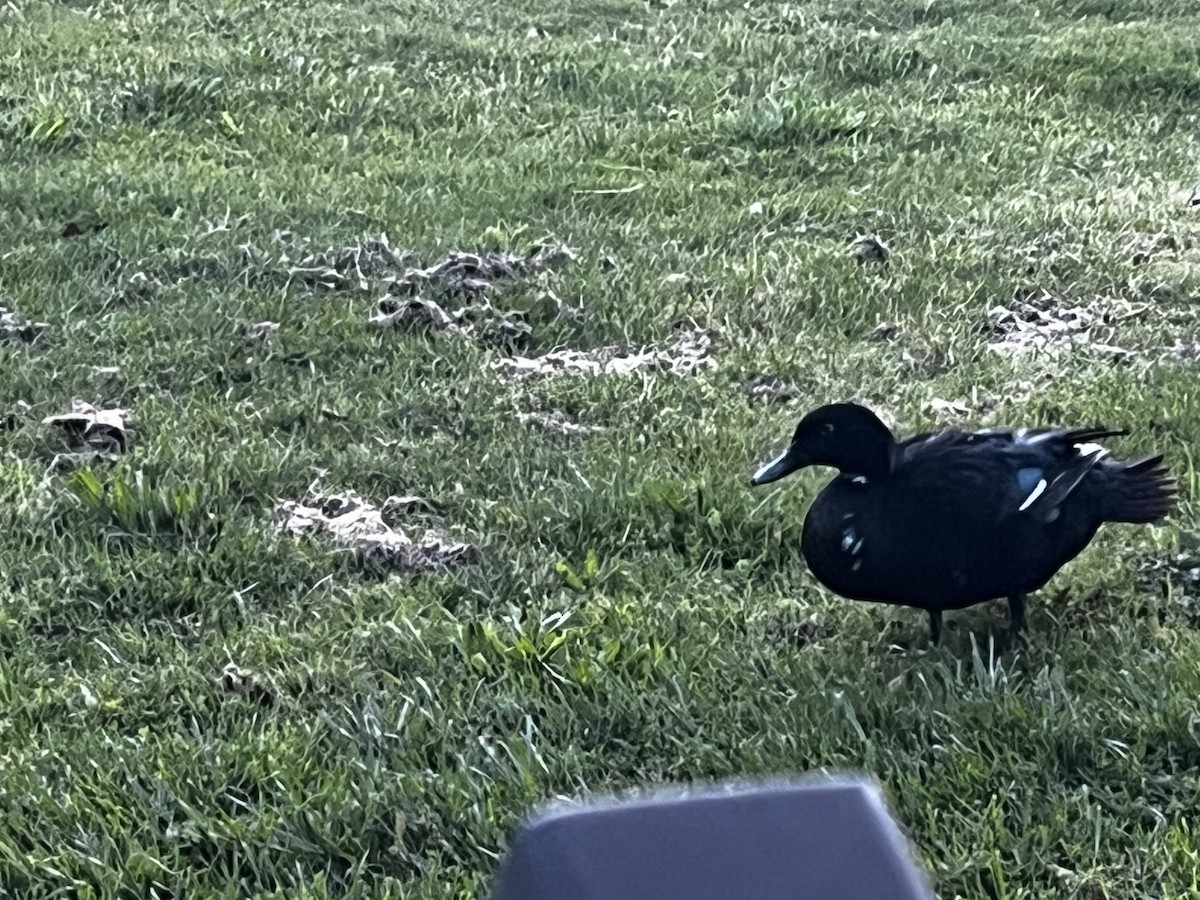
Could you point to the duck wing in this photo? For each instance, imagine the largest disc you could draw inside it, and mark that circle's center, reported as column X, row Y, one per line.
column 1027, row 472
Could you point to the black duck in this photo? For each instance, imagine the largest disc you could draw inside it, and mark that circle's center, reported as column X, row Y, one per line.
column 949, row 519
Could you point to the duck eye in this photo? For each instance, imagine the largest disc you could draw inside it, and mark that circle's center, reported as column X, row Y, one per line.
column 827, row 428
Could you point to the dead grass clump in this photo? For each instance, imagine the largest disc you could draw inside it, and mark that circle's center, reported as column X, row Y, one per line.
column 1040, row 321
column 375, row 263
column 474, row 274
column 373, row 533
column 770, row 389
column 15, row 328
column 342, row 268
column 557, row 420
column 94, row 431
column 685, row 354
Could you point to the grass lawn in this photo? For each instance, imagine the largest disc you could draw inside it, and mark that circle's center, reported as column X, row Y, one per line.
column 199, row 703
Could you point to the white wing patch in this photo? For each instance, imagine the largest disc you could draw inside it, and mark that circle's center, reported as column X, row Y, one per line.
column 1033, row 479
column 851, row 542
column 1037, row 492
column 1030, row 437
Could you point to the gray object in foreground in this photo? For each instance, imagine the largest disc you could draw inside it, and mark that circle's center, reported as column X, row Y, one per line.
column 824, row 839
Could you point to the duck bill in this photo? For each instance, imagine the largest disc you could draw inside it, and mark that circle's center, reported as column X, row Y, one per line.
column 784, row 464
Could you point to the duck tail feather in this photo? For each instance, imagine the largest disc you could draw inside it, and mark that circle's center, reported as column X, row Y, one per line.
column 1140, row 492
column 1091, row 435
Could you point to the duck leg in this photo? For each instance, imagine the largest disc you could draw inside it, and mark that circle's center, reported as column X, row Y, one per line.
column 1016, row 614
column 935, row 626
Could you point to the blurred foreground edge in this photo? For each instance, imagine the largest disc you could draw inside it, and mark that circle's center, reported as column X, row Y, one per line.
column 828, row 838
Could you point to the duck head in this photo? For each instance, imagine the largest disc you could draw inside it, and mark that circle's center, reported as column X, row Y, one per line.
column 846, row 436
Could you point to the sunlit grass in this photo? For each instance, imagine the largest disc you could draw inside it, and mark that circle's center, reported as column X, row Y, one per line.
column 634, row 612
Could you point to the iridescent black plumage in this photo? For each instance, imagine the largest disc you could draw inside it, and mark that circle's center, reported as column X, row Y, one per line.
column 950, row 519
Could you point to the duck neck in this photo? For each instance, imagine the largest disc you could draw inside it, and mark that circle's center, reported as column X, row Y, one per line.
column 870, row 460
